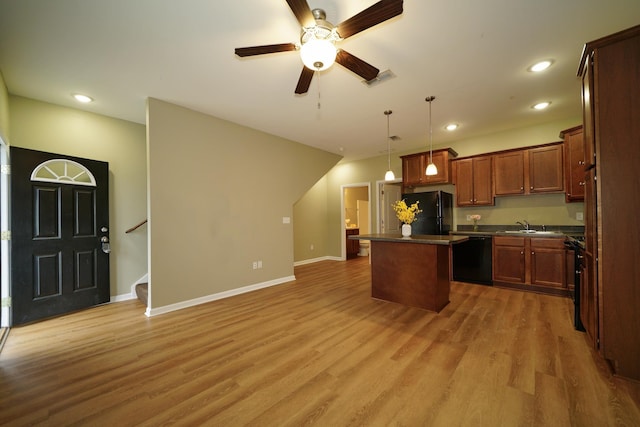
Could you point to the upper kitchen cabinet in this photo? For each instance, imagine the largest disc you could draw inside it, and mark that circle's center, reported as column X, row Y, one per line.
column 529, row 171
column 473, row 179
column 546, row 173
column 574, row 164
column 609, row 69
column 415, row 165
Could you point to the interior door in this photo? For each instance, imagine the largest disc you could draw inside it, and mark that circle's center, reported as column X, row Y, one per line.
column 59, row 234
column 389, row 194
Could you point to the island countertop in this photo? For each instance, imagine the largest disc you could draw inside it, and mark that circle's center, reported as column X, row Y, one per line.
column 428, row 239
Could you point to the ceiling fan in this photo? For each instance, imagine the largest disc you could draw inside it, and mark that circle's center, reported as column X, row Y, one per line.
column 318, row 38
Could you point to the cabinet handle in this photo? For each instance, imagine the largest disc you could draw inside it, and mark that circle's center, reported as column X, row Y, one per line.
column 581, row 183
column 522, row 253
column 533, row 253
column 531, row 187
column 521, row 188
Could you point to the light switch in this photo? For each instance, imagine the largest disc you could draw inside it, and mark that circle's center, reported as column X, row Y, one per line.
column 286, row 220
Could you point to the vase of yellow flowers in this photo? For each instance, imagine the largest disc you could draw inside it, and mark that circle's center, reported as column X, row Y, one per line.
column 406, row 214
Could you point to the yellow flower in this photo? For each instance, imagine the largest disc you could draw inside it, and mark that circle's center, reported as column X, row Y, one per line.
column 406, row 214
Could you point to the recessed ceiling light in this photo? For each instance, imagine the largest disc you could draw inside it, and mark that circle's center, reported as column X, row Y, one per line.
column 82, row 98
column 451, row 126
column 540, row 66
column 541, row 105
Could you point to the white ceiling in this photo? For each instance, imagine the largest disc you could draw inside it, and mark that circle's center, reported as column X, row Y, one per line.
column 472, row 55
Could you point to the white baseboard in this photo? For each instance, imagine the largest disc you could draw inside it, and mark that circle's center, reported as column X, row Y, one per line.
column 312, row 260
column 214, row 297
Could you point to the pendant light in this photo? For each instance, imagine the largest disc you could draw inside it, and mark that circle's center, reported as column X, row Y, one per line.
column 389, row 176
column 431, row 168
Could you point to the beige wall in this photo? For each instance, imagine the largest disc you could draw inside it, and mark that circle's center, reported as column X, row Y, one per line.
column 47, row 127
column 547, row 209
column 218, row 193
column 310, row 227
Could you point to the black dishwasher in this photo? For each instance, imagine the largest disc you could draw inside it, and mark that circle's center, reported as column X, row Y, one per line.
column 472, row 260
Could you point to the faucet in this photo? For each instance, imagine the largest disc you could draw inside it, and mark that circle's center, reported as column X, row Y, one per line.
column 525, row 225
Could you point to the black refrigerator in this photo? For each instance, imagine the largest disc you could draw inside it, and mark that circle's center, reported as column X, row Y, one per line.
column 437, row 212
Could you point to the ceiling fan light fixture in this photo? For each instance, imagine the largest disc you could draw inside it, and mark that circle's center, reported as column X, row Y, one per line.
column 318, row 54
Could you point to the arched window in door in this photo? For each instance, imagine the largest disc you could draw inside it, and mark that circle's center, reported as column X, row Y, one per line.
column 63, row 171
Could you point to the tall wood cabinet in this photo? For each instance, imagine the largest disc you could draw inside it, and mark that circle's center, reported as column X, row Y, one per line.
column 609, row 69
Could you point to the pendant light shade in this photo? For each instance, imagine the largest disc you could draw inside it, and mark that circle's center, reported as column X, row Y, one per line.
column 431, row 168
column 389, row 176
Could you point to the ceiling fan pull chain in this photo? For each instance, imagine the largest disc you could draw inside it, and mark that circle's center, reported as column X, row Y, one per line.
column 318, row 83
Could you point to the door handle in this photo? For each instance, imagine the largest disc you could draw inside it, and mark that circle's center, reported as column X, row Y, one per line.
column 106, row 247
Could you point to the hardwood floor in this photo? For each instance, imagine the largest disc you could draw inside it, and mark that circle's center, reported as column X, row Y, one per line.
column 315, row 351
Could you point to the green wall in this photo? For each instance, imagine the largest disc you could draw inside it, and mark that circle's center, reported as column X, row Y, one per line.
column 46, row 127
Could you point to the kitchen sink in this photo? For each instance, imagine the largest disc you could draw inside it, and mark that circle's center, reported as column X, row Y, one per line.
column 536, row 232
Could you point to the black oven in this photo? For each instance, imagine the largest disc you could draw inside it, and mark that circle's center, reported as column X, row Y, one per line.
column 576, row 246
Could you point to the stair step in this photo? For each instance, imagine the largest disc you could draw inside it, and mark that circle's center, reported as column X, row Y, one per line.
column 142, row 292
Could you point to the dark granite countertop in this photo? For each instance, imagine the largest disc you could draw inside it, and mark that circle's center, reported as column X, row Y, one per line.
column 430, row 239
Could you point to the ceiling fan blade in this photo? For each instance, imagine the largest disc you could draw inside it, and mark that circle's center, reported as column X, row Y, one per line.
column 301, row 10
column 377, row 13
column 304, row 81
column 261, row 50
column 357, row 65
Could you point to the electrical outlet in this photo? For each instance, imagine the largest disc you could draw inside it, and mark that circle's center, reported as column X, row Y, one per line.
column 311, row 247
column 255, row 265
column 260, row 264
column 579, row 216
column 468, row 217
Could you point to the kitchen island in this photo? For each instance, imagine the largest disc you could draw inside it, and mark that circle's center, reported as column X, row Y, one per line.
column 413, row 271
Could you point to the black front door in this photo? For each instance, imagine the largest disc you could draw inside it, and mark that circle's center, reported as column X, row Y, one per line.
column 59, row 234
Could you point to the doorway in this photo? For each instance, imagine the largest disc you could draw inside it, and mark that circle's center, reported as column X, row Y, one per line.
column 388, row 192
column 356, row 216
column 59, row 234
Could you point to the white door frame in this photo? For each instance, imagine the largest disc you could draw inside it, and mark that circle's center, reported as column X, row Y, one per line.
column 5, row 278
column 343, row 226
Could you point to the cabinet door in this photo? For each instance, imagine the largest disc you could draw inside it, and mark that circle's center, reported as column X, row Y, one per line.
column 509, row 259
column 464, row 182
column 548, row 262
column 413, row 170
column 441, row 160
column 574, row 165
column 509, row 173
column 546, row 169
column 482, row 181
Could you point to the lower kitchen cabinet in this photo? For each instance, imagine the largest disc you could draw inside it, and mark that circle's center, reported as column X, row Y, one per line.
column 532, row 263
column 509, row 259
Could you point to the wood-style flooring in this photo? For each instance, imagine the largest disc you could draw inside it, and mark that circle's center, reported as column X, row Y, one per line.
column 317, row 351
